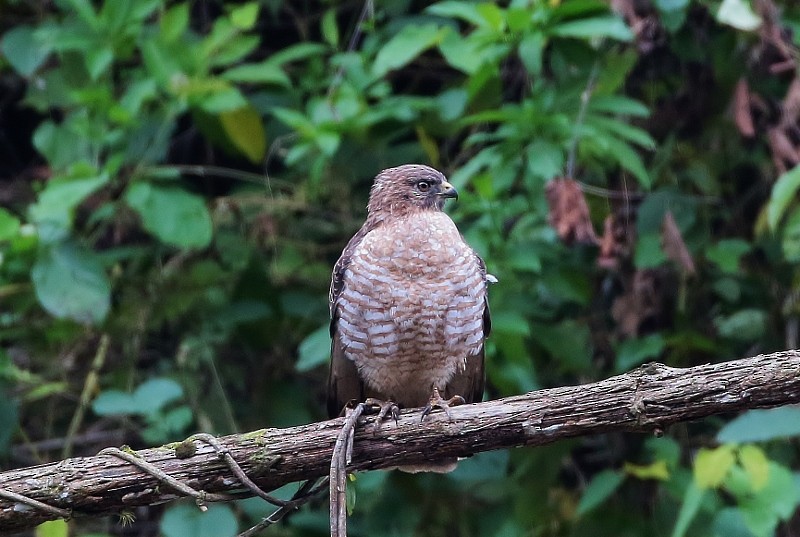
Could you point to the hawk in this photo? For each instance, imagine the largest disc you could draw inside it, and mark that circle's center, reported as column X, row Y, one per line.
column 408, row 301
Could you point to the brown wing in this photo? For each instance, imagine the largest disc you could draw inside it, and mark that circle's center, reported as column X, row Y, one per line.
column 469, row 383
column 344, row 382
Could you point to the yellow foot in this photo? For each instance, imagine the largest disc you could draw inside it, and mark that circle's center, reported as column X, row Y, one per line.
column 386, row 408
column 436, row 401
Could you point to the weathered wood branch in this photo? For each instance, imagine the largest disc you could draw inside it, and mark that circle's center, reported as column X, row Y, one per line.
column 644, row 400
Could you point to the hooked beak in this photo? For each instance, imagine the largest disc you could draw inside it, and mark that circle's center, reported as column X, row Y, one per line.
column 448, row 191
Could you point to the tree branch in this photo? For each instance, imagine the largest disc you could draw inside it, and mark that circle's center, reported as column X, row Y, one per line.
column 645, row 400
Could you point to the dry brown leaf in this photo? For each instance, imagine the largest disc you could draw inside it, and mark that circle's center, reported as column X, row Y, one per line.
column 741, row 109
column 607, row 258
column 619, row 236
column 674, row 246
column 783, row 150
column 791, row 103
column 568, row 212
column 640, row 303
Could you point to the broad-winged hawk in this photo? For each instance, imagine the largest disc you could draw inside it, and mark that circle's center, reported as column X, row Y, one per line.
column 408, row 300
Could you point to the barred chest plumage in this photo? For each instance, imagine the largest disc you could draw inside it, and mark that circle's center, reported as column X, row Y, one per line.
column 411, row 308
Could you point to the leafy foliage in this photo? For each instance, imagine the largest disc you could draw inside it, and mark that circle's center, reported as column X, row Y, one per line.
column 186, row 173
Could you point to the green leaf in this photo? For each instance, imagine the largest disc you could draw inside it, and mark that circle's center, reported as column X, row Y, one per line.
column 728, row 288
column 712, row 465
column 623, row 130
column 218, row 101
column 744, row 325
column 481, row 467
column 174, row 22
column 60, row 144
column 245, row 16
column 330, row 28
column 266, row 72
column 176, row 420
column 52, row 528
column 350, row 496
column 234, row 50
column 618, row 104
column 71, row 283
column 602, row 486
column 245, row 130
column 692, row 499
column 85, row 12
column 23, row 50
column 404, row 46
column 655, row 470
column 149, row 398
column 762, row 425
column 593, row 27
column 170, row 213
column 790, row 239
column 493, row 16
column 739, row 14
column 510, row 322
column 783, row 192
column 155, row 394
column 314, row 350
column 727, row 253
column 729, row 522
column 545, row 160
column 98, row 60
column 9, row 225
column 295, row 120
column 186, row 520
column 114, row 403
column 530, row 50
column 755, row 464
column 629, row 159
column 467, row 55
column 648, row 253
column 458, row 10
column 633, row 352
column 300, row 51
column 774, row 503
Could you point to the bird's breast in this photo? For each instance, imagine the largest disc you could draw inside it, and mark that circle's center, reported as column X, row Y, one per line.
column 411, row 309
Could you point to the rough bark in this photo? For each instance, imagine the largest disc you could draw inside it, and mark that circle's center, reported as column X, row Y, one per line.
column 644, row 400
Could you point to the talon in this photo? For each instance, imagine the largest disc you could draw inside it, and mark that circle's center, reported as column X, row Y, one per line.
column 386, row 408
column 436, row 401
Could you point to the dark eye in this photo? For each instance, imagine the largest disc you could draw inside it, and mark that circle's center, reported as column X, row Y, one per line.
column 423, row 186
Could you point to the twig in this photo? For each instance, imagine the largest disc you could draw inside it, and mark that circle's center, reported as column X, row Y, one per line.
column 212, row 171
column 35, row 504
column 586, row 96
column 342, row 456
column 200, row 496
column 367, row 10
column 89, row 388
column 304, row 494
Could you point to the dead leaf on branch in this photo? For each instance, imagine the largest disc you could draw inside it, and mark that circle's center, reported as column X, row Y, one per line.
column 569, row 213
column 741, row 109
column 619, row 236
column 674, row 246
column 640, row 302
column 643, row 21
column 783, row 150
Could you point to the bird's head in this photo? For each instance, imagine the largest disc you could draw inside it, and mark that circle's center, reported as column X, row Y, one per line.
column 409, row 188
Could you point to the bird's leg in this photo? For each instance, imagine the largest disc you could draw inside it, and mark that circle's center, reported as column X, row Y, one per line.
column 436, row 401
column 386, row 408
